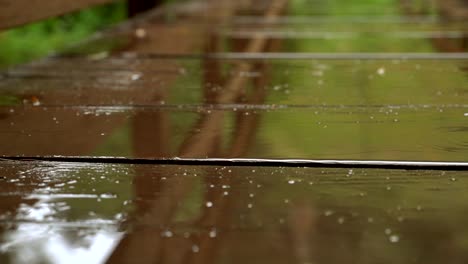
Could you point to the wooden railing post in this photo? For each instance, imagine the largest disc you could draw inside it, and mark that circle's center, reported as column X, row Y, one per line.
column 137, row 6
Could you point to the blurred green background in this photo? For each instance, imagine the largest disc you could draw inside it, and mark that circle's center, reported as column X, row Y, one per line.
column 34, row 40
column 22, row 44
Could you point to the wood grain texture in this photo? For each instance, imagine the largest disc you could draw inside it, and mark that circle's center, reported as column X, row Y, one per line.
column 18, row 12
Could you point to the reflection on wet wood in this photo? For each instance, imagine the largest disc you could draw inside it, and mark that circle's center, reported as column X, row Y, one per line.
column 240, row 214
column 453, row 9
column 147, row 96
column 209, row 127
column 147, row 247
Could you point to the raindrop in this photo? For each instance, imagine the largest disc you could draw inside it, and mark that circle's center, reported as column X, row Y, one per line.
column 167, row 233
column 209, row 204
column 107, row 196
column 388, row 231
column 35, row 101
column 394, row 238
column 381, row 71
column 213, row 233
column 291, row 181
column 119, row 216
column 249, row 205
column 328, row 212
column 341, row 220
column 140, row 33
column 195, row 249
column 135, row 76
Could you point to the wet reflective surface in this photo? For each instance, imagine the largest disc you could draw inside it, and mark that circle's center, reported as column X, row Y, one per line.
column 399, row 109
column 70, row 213
column 382, row 80
column 161, row 82
column 419, row 133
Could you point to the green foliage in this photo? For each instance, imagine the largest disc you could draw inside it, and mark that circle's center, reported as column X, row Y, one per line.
column 35, row 40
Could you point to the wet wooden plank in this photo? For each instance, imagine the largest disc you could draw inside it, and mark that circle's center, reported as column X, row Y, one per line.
column 131, row 93
column 330, row 36
column 120, row 81
column 334, row 132
column 171, row 213
column 18, row 12
column 300, row 35
column 339, row 109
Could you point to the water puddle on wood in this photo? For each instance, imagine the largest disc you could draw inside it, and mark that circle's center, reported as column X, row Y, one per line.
column 59, row 212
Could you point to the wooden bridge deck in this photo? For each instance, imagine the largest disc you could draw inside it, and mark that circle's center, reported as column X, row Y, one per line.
column 170, row 139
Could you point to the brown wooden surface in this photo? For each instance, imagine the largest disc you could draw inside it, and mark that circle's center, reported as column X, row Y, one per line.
column 164, row 87
column 18, row 12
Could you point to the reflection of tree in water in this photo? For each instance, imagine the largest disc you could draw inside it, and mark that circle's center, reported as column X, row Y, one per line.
column 307, row 237
column 448, row 11
column 148, row 246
